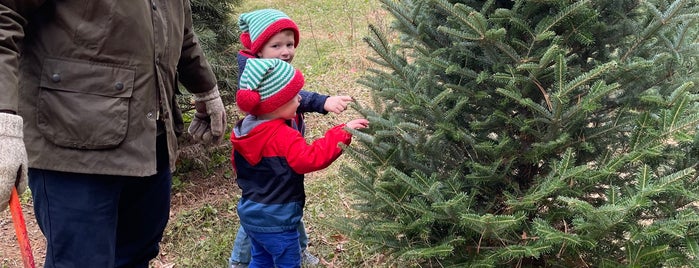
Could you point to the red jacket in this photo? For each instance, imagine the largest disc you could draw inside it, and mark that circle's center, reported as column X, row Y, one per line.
column 270, row 159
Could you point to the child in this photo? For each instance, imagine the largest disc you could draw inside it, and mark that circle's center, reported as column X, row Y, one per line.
column 269, row 33
column 271, row 157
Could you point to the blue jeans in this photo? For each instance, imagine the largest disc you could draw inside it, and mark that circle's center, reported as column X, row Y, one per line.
column 101, row 220
column 242, row 246
column 280, row 250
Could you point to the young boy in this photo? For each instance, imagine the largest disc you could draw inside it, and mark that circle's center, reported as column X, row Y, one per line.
column 269, row 33
column 270, row 158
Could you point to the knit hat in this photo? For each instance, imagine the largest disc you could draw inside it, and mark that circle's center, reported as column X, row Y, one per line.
column 267, row 84
column 259, row 26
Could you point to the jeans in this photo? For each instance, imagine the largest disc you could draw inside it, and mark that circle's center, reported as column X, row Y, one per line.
column 242, row 245
column 280, row 250
column 102, row 220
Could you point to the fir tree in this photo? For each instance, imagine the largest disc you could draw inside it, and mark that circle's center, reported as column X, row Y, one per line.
column 553, row 133
column 218, row 33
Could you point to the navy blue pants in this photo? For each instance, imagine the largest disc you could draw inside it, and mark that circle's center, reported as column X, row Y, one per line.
column 279, row 250
column 101, row 220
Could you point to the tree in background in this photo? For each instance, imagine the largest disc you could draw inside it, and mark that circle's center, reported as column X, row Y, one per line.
column 218, row 33
column 552, row 133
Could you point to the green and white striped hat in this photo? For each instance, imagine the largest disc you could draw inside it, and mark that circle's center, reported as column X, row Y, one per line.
column 267, row 84
column 259, row 26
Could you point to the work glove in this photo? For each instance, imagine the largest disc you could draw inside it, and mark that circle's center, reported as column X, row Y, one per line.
column 13, row 157
column 209, row 122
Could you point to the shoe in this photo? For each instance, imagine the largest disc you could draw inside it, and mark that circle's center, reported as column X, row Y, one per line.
column 307, row 259
column 238, row 265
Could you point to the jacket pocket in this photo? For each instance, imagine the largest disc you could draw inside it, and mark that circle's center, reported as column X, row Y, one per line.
column 84, row 105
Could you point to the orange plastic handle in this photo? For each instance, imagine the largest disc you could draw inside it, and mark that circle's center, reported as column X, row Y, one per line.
column 21, row 229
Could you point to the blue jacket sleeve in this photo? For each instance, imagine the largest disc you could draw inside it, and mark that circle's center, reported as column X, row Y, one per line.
column 312, row 102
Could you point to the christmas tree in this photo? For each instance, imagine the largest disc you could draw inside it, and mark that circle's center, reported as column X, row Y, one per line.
column 520, row 133
column 218, row 32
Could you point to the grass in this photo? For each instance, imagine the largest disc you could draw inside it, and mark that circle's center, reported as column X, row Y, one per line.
column 331, row 56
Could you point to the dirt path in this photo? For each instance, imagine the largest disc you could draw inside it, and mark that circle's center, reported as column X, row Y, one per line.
column 10, row 255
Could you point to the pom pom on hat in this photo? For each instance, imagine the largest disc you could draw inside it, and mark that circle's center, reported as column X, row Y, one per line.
column 247, row 99
column 267, row 84
column 259, row 26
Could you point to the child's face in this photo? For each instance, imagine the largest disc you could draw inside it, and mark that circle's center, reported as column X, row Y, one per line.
column 288, row 110
column 280, row 46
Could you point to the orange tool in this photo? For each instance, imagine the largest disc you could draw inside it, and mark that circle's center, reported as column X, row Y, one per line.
column 21, row 229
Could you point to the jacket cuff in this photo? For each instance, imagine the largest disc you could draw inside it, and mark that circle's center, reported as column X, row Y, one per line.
column 207, row 96
column 10, row 125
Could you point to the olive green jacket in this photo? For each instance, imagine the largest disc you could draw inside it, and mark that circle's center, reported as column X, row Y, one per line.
column 91, row 78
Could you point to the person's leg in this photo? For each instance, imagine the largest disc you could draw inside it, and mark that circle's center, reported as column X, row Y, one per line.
column 260, row 257
column 303, row 237
column 241, row 248
column 307, row 258
column 144, row 209
column 77, row 213
column 283, row 248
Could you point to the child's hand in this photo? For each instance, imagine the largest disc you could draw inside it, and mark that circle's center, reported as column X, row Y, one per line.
column 358, row 124
column 337, row 104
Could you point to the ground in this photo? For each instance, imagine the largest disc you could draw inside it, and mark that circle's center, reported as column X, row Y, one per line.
column 198, row 190
column 9, row 250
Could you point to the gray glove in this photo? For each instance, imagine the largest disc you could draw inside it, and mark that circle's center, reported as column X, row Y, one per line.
column 209, row 122
column 13, row 157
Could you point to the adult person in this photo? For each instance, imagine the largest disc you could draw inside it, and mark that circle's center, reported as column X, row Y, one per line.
column 93, row 84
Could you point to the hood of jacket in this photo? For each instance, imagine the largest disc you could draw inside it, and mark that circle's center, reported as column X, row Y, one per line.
column 251, row 134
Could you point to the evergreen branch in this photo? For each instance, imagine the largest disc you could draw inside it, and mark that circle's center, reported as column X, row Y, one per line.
column 560, row 71
column 585, row 78
column 687, row 122
column 644, row 178
column 662, row 19
column 455, row 69
column 547, row 24
column 478, row 22
column 440, row 98
column 692, row 246
column 461, row 34
column 378, row 43
column 443, row 250
column 365, row 184
column 508, row 50
column 667, row 181
column 399, row 13
column 518, row 251
column 639, row 257
column 465, row 14
column 526, row 102
column 593, row 96
column 456, row 111
column 551, row 54
column 680, row 102
column 555, row 181
column 644, row 122
column 546, row 232
column 490, row 223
